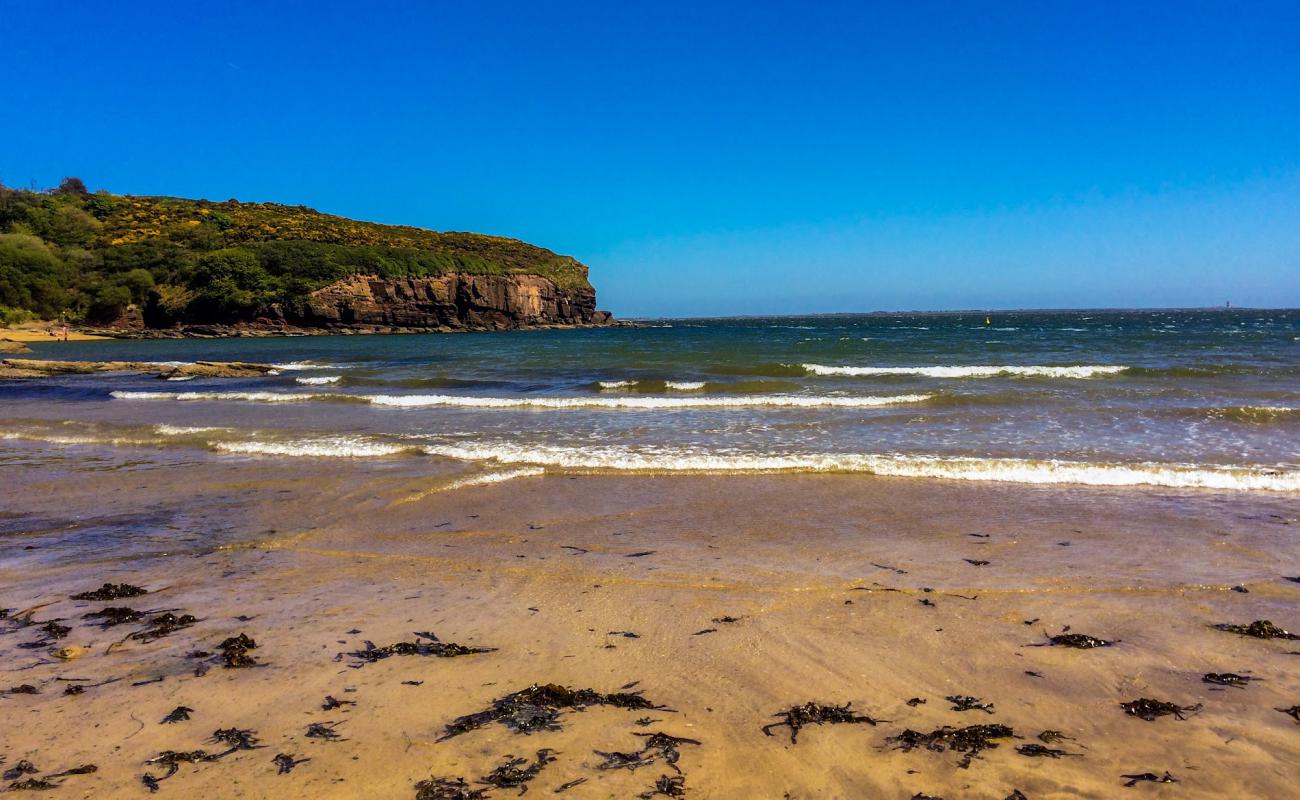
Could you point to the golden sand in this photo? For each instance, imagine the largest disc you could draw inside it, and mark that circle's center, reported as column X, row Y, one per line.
column 824, row 576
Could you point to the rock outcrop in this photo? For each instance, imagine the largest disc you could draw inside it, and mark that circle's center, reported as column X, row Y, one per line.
column 39, row 368
column 451, row 301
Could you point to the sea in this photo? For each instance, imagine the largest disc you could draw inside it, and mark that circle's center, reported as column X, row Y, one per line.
column 1198, row 399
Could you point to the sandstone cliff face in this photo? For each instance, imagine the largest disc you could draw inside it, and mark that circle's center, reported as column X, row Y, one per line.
column 455, row 300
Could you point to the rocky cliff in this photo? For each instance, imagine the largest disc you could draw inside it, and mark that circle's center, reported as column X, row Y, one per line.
column 451, row 301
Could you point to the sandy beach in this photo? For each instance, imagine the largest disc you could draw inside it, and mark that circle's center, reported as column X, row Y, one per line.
column 724, row 600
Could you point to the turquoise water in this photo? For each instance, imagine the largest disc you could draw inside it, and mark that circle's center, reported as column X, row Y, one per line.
column 1200, row 399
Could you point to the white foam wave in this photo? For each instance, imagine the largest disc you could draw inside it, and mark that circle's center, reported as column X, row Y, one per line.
column 685, row 386
column 319, row 380
column 1087, row 371
column 471, row 401
column 751, row 401
column 183, row 430
column 182, row 378
column 494, row 477
column 328, row 447
column 616, row 384
column 292, row 366
column 952, row 468
column 252, row 397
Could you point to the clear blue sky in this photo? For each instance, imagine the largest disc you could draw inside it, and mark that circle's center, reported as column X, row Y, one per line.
column 720, row 158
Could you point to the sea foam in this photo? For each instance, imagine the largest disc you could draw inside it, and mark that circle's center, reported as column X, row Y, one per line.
column 471, row 401
column 1011, row 470
column 1089, row 371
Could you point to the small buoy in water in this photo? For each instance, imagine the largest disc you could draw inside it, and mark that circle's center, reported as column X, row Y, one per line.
column 987, row 321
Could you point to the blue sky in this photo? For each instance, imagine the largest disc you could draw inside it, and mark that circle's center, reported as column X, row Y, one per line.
column 716, row 158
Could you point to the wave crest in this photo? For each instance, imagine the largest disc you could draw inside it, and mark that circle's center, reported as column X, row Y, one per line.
column 1084, row 371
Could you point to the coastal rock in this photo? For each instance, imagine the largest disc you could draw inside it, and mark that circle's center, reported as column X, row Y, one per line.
column 7, row 346
column 456, row 301
column 36, row 368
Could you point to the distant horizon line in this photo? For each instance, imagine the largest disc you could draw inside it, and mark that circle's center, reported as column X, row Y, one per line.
column 954, row 312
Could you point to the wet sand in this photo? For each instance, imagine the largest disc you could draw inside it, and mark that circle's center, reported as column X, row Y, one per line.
column 826, row 576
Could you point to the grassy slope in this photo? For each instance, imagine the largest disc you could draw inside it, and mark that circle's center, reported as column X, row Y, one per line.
column 86, row 255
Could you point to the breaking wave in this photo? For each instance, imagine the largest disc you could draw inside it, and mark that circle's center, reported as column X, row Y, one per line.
column 1090, row 371
column 319, row 380
column 326, row 447
column 469, row 401
column 1012, row 470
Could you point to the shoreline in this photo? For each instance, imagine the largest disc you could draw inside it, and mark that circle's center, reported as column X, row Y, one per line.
column 726, row 599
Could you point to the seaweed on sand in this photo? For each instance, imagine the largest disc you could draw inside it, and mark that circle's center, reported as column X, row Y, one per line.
column 971, row 740
column 23, row 767
column 332, row 702
column 285, row 763
column 796, row 717
column 1148, row 709
column 111, row 591
column 234, row 652
column 1079, row 641
column 656, row 745
column 518, row 772
column 538, row 708
column 1259, row 629
column 236, row 739
column 447, row 789
column 1050, row 736
column 115, row 615
column 22, row 688
column 84, row 769
column 668, row 786
column 1293, row 712
column 171, row 760
column 964, row 702
column 1133, row 780
column 1227, row 679
column 32, row 785
column 325, row 731
column 1039, row 751
column 426, row 645
column 164, row 625
column 177, row 714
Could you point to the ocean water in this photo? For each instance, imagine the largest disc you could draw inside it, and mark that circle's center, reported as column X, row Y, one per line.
column 1189, row 399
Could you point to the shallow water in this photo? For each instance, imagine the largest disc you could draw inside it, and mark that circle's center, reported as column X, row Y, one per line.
column 1182, row 399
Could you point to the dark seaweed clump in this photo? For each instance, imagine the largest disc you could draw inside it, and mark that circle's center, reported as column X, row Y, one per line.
column 517, row 772
column 1227, row 679
column 115, row 615
column 971, row 740
column 23, row 767
column 1293, row 712
column 164, row 625
column 1039, row 751
column 1079, row 641
column 177, row 714
column 668, row 786
column 325, row 731
column 447, row 789
column 1133, row 780
column 171, row 760
column 431, row 646
column 22, row 688
column 537, row 708
column 235, row 739
column 234, row 652
column 656, row 745
column 1259, row 629
column 111, row 591
column 285, row 763
column 964, row 702
column 797, row 717
column 1148, row 709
